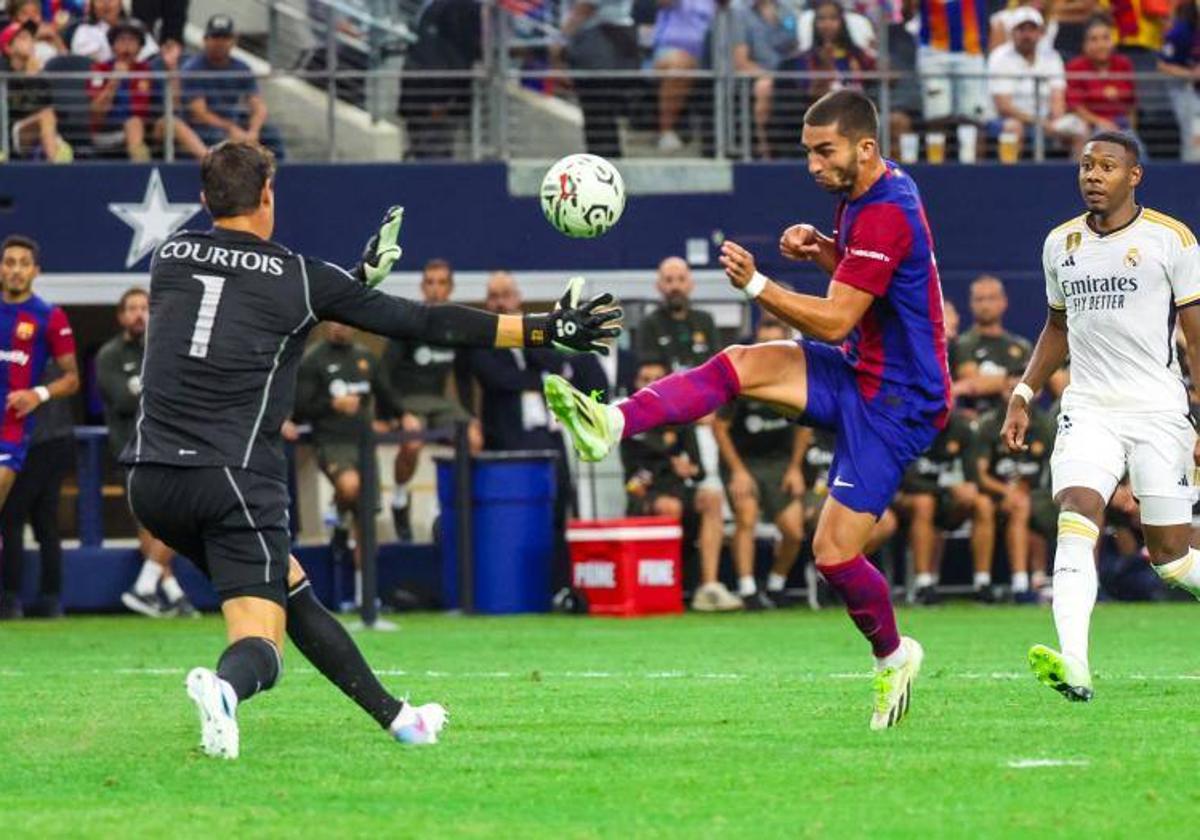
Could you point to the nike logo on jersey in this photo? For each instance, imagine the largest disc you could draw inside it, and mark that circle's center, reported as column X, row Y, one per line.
column 837, row 482
column 187, row 452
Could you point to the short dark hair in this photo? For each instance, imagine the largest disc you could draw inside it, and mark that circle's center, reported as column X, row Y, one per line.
column 852, row 111
column 131, row 292
column 435, row 264
column 16, row 240
column 1122, row 139
column 233, row 175
column 1099, row 19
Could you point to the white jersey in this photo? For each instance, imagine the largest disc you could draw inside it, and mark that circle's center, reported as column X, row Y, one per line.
column 1120, row 292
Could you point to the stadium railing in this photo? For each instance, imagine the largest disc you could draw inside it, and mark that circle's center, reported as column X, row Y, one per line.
column 489, row 113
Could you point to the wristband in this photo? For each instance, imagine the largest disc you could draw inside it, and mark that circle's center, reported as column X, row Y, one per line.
column 755, row 287
column 535, row 330
column 43, row 393
column 1024, row 392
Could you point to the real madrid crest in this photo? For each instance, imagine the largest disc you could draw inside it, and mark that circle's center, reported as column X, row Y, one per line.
column 1132, row 258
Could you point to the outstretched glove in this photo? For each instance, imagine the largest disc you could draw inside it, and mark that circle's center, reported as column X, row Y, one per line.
column 576, row 328
column 382, row 251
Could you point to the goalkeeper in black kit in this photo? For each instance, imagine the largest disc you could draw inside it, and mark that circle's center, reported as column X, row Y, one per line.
column 230, row 311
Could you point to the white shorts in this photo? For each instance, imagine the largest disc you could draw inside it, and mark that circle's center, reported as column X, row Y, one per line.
column 1095, row 448
column 953, row 84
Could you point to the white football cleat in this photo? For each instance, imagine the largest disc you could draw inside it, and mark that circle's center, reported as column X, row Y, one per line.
column 217, row 704
column 419, row 724
column 893, row 687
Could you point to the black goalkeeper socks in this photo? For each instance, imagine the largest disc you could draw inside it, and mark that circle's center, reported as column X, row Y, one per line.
column 250, row 665
column 326, row 644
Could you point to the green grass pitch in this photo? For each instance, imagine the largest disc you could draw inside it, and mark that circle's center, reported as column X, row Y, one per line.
column 695, row 726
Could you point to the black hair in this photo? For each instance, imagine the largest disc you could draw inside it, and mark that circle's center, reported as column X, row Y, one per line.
column 852, row 111
column 1099, row 19
column 131, row 292
column 16, row 240
column 1122, row 139
column 233, row 175
column 437, row 263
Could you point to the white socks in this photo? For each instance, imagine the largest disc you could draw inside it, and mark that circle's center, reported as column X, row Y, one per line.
column 776, row 582
column 747, row 586
column 1183, row 573
column 1075, row 583
column 925, row 579
column 172, row 589
column 147, row 579
column 616, row 424
column 1020, row 581
column 983, row 579
column 893, row 660
column 400, row 497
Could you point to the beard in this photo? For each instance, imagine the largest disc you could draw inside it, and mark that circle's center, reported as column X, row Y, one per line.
column 677, row 302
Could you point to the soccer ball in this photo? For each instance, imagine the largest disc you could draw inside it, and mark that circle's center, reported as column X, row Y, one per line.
column 583, row 196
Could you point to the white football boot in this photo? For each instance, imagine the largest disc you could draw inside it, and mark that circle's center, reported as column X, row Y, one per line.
column 217, row 704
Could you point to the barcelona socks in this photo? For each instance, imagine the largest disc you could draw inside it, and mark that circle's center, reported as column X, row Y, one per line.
column 681, row 397
column 868, row 599
column 326, row 644
column 250, row 665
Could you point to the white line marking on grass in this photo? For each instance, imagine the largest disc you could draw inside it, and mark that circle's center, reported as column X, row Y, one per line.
column 155, row 672
column 1032, row 763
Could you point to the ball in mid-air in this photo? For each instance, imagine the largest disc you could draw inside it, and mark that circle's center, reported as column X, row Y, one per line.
column 583, row 196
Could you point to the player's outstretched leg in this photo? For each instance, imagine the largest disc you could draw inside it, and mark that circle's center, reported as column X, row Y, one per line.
column 841, row 532
column 248, row 666
column 1075, row 584
column 682, row 397
column 328, row 646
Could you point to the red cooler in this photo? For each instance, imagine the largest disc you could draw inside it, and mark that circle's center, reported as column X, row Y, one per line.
column 628, row 566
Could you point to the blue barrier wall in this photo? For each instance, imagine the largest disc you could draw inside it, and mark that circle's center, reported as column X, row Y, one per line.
column 984, row 218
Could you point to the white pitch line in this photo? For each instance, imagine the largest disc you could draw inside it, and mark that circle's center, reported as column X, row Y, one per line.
column 1032, row 763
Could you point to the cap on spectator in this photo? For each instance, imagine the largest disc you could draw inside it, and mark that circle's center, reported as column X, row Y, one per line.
column 9, row 32
column 219, row 26
column 127, row 27
column 1023, row 15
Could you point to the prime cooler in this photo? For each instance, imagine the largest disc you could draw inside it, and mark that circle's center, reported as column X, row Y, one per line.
column 630, row 566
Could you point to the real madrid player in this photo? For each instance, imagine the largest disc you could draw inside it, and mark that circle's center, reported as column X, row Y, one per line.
column 1118, row 278
column 229, row 314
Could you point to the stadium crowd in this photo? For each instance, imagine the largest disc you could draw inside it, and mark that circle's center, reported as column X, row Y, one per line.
column 973, row 84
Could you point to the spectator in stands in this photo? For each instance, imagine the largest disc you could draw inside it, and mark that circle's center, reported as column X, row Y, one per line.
column 338, row 389
column 764, row 34
column 940, row 493
column 950, row 60
column 663, row 473
column 600, row 36
column 902, row 63
column 48, row 34
column 449, row 37
column 35, row 499
column 92, row 39
column 987, row 355
column 1141, row 25
column 122, row 97
column 1096, row 93
column 34, row 123
column 832, row 52
column 761, row 455
column 1019, row 485
column 680, row 35
column 1071, row 17
column 675, row 332
column 1000, row 24
column 431, row 384
column 171, row 14
column 1180, row 59
column 223, row 99
column 950, row 320
column 119, row 378
column 859, row 28
column 1028, row 85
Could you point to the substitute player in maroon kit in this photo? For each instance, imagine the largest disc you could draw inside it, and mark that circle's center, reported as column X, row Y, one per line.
column 32, row 331
column 885, row 391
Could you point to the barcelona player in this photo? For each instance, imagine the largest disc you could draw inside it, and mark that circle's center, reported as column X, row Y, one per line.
column 885, row 391
column 32, row 331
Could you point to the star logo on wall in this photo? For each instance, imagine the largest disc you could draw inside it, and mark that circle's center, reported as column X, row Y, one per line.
column 153, row 220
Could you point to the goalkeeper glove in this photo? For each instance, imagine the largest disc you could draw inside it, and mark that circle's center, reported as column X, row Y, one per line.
column 576, row 328
column 382, row 251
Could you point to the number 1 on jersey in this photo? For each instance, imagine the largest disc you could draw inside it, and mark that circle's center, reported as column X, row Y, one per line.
column 206, row 316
